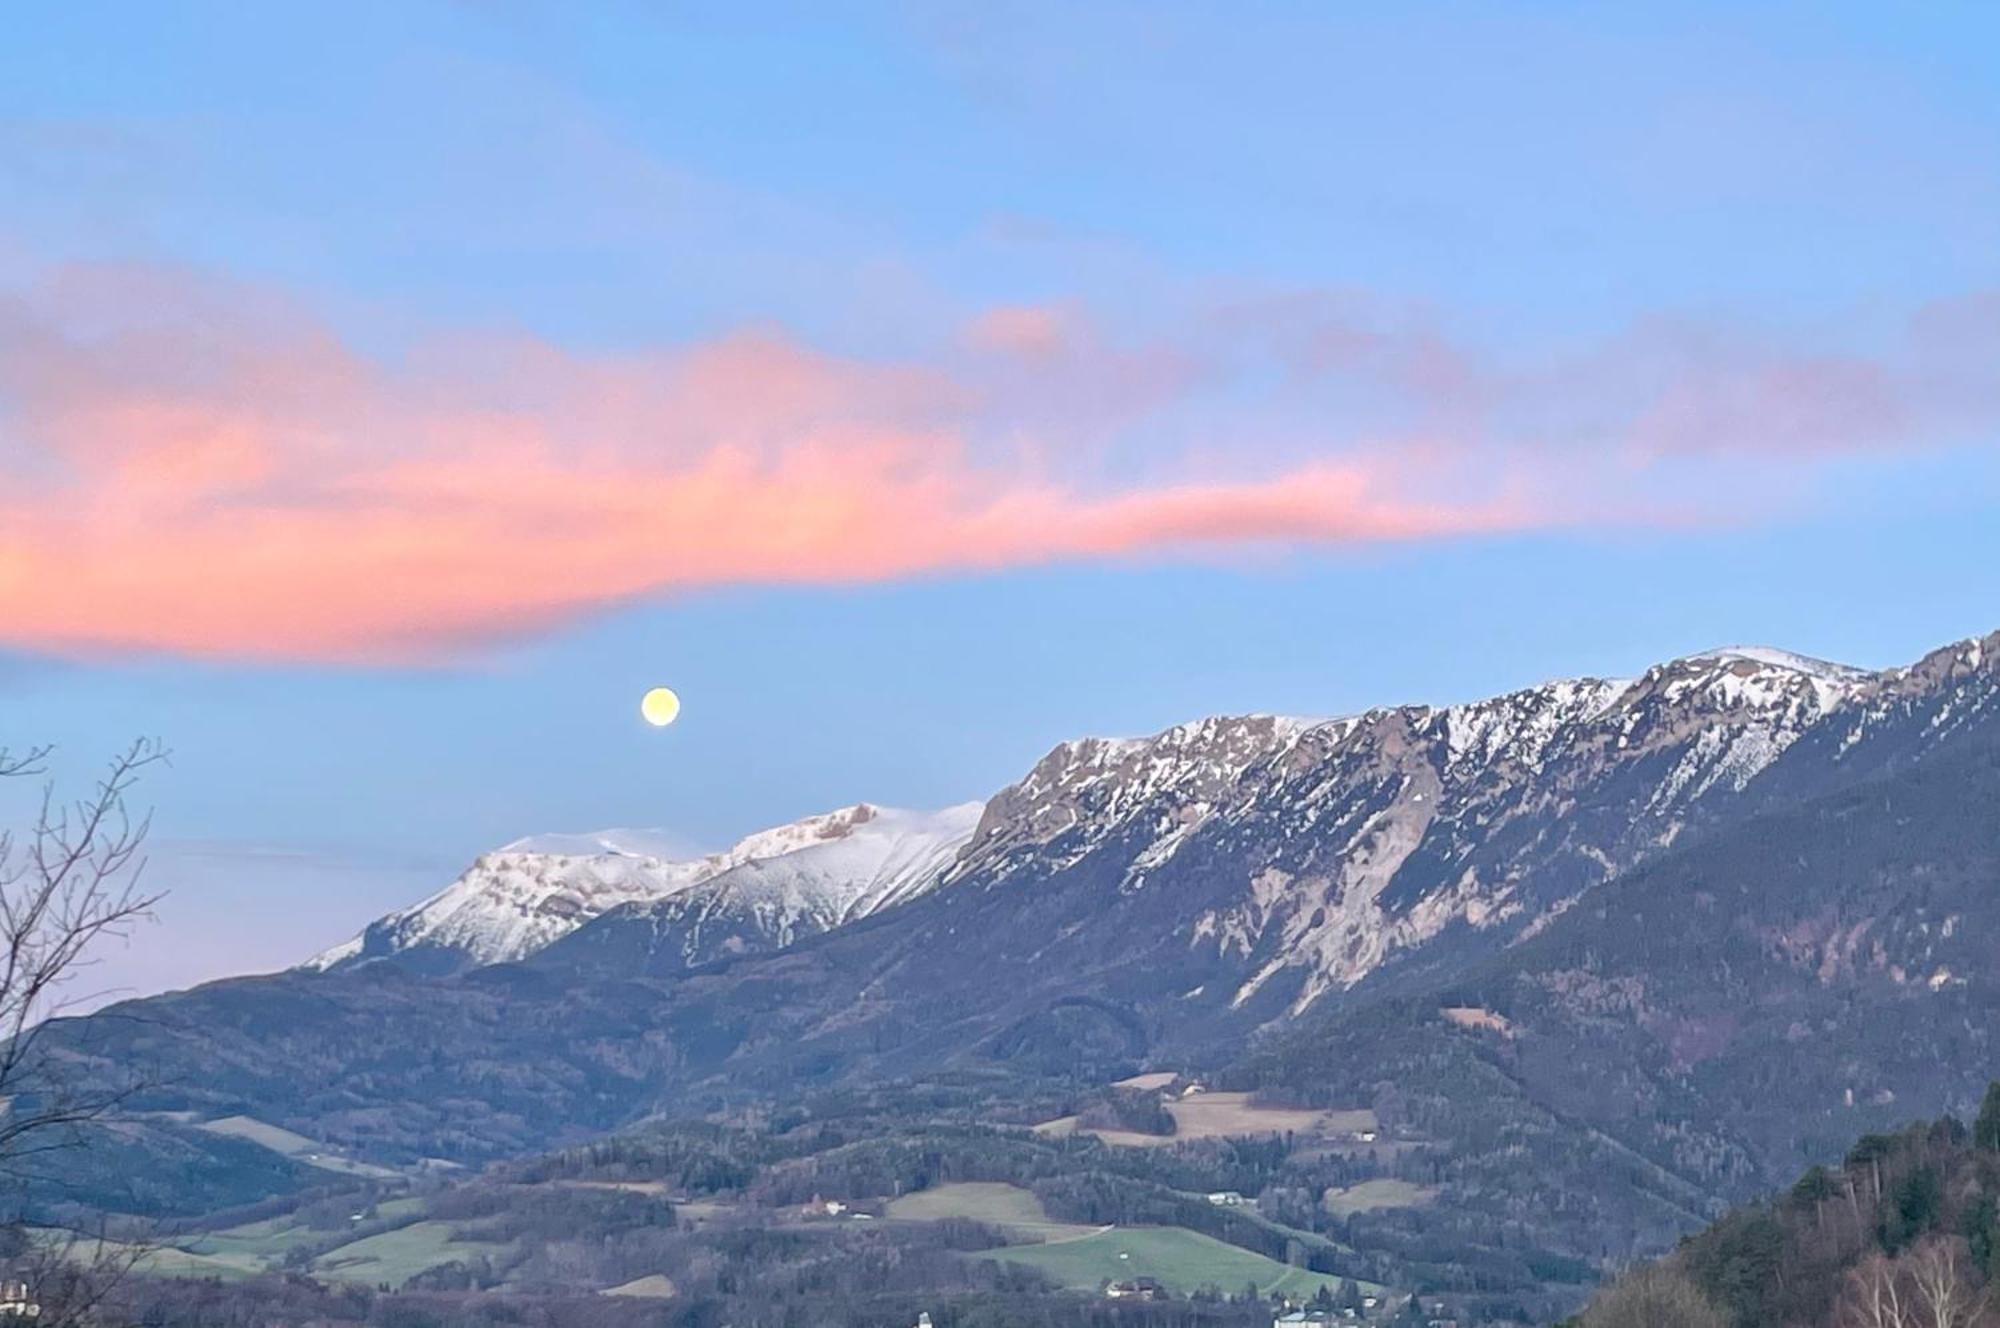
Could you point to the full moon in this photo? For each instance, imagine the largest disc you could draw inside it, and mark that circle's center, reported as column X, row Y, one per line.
column 659, row 706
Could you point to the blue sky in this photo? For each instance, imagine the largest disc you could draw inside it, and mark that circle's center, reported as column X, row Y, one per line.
column 389, row 395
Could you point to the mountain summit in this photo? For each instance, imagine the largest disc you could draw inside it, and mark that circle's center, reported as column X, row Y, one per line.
column 774, row 885
column 1280, row 858
column 1669, row 878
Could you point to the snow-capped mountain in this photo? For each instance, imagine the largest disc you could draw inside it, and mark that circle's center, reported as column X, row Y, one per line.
column 1648, row 892
column 1219, row 890
column 1289, row 858
column 770, row 887
column 1279, row 858
column 882, row 857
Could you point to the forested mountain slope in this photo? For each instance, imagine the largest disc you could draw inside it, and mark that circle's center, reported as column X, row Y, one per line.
column 1902, row 1232
column 1608, row 987
column 1709, row 1024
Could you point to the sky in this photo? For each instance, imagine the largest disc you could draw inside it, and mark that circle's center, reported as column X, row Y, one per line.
column 391, row 393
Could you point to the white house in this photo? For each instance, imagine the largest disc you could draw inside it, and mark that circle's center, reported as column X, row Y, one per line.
column 17, row 1301
column 1304, row 1319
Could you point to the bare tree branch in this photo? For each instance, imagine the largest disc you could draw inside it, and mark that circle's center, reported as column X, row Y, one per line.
column 70, row 882
column 68, row 1274
column 1932, row 1285
column 28, row 762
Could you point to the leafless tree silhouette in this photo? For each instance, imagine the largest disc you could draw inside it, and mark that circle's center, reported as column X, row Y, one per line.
column 1932, row 1285
column 71, row 880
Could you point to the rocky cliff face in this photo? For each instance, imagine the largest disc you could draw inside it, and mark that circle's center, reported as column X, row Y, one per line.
column 1753, row 894
column 1264, row 861
column 1303, row 856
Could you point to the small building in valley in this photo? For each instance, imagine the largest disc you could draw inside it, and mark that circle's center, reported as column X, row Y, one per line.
column 1296, row 1318
column 17, row 1300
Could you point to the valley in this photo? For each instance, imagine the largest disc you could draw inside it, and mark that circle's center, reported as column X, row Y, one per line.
column 1024, row 665
column 1286, row 1005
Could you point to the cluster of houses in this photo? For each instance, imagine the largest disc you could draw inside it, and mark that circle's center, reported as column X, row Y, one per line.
column 17, row 1301
column 1367, row 1306
column 1370, row 1308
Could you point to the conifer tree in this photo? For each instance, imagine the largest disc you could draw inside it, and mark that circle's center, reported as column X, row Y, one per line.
column 1986, row 1129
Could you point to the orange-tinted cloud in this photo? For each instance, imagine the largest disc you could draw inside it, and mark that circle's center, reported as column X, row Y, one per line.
column 209, row 472
column 191, row 467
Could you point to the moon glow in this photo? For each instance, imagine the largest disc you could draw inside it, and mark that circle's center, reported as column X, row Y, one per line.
column 660, row 706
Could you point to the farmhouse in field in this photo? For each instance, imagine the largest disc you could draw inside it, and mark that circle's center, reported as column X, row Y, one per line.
column 1226, row 1198
column 1308, row 1318
column 1138, row 1288
column 17, row 1301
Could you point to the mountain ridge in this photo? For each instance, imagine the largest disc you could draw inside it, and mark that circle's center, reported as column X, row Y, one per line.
column 518, row 899
column 1178, row 901
column 1725, row 714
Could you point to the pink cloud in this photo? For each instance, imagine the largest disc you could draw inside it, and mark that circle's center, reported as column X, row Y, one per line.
column 209, row 472
column 192, row 467
column 1033, row 332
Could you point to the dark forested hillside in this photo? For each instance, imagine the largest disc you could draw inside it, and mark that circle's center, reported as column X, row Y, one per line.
column 1052, row 960
column 1902, row 1232
column 1802, row 963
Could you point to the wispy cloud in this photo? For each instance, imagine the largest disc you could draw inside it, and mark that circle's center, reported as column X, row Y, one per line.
column 198, row 468
column 203, row 470
column 1669, row 386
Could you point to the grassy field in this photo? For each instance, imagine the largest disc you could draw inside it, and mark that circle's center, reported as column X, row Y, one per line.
column 1387, row 1149
column 1182, row 1260
column 1220, row 1115
column 1311, row 1239
column 1473, row 1016
column 699, row 1211
column 397, row 1256
column 1213, row 1115
column 1006, row 1206
column 296, row 1146
column 260, row 1245
column 274, row 1137
column 654, row 1286
column 254, row 1246
column 1372, row 1194
column 627, row 1186
column 161, row 1261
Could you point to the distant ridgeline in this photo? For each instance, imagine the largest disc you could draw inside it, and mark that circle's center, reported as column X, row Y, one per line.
column 1904, row 1233
column 1595, row 960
